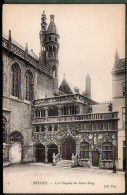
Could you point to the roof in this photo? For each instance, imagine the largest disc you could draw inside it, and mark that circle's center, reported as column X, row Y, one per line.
column 120, row 63
column 52, row 27
column 66, row 87
column 30, row 52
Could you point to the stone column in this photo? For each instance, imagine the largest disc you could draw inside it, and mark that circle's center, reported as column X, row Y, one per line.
column 90, row 157
column 52, row 127
column 71, row 110
column 77, row 147
column 34, row 155
column 34, row 113
column 59, row 111
column 68, row 110
column 39, row 128
column 46, row 112
column 46, row 130
column 46, row 155
column 100, row 158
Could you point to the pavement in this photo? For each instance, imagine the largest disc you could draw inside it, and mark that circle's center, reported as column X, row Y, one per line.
column 45, row 178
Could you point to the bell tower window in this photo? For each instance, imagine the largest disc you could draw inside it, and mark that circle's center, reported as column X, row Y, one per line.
column 54, row 72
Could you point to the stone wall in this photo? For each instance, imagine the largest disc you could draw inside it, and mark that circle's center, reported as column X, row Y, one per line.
column 18, row 109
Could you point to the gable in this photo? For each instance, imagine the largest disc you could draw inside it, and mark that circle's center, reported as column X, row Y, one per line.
column 65, row 88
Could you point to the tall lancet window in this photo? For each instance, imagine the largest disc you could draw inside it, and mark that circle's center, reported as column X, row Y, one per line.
column 16, row 80
column 29, row 86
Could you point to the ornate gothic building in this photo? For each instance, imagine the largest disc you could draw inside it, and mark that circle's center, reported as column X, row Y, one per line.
column 46, row 123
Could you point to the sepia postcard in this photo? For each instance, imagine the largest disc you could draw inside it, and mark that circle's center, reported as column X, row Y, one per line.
column 64, row 98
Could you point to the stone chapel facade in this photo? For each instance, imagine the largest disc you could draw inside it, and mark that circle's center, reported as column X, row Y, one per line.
column 44, row 123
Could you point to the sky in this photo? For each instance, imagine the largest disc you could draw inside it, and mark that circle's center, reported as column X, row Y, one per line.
column 89, row 37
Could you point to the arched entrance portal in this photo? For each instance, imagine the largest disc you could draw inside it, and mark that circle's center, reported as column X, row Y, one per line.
column 68, row 146
column 52, row 149
column 40, row 153
column 95, row 158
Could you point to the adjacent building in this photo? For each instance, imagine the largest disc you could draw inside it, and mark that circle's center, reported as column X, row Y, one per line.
column 46, row 123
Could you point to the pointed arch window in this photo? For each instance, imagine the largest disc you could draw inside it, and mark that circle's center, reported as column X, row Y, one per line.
column 16, row 80
column 29, row 85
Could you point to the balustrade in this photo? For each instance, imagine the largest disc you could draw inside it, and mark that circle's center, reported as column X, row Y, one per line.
column 87, row 117
column 64, row 98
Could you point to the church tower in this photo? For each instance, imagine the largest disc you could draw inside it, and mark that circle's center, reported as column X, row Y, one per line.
column 49, row 41
column 52, row 47
column 88, row 86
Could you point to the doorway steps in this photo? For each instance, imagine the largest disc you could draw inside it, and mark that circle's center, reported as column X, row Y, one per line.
column 64, row 163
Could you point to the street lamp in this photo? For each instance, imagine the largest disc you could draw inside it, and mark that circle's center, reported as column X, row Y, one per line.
column 114, row 156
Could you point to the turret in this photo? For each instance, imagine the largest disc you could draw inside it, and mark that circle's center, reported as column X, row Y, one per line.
column 52, row 47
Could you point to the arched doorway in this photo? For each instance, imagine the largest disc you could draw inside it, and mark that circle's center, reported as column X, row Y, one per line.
column 40, row 153
column 52, row 149
column 68, row 146
column 16, row 151
column 95, row 157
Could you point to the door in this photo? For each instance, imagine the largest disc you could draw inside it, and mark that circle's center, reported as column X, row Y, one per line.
column 67, row 148
column 52, row 149
column 15, row 153
column 40, row 153
column 95, row 158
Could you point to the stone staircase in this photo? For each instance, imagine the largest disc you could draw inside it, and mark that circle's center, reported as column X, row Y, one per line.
column 64, row 163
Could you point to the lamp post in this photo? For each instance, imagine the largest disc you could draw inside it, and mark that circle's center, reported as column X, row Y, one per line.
column 114, row 156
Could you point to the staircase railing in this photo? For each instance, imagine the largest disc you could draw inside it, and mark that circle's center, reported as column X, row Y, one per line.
column 56, row 158
column 74, row 160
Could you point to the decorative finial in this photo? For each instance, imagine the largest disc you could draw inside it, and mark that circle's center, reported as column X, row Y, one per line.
column 26, row 46
column 43, row 15
column 9, row 34
column 64, row 75
column 9, row 42
column 116, row 55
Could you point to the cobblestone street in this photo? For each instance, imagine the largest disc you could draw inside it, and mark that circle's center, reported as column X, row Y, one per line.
column 45, row 178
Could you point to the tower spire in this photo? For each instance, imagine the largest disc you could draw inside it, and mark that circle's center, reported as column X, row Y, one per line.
column 116, row 58
column 88, row 86
column 116, row 55
column 43, row 39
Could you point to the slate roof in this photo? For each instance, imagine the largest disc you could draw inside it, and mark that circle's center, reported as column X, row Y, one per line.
column 68, row 88
column 120, row 63
column 30, row 52
column 52, row 28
